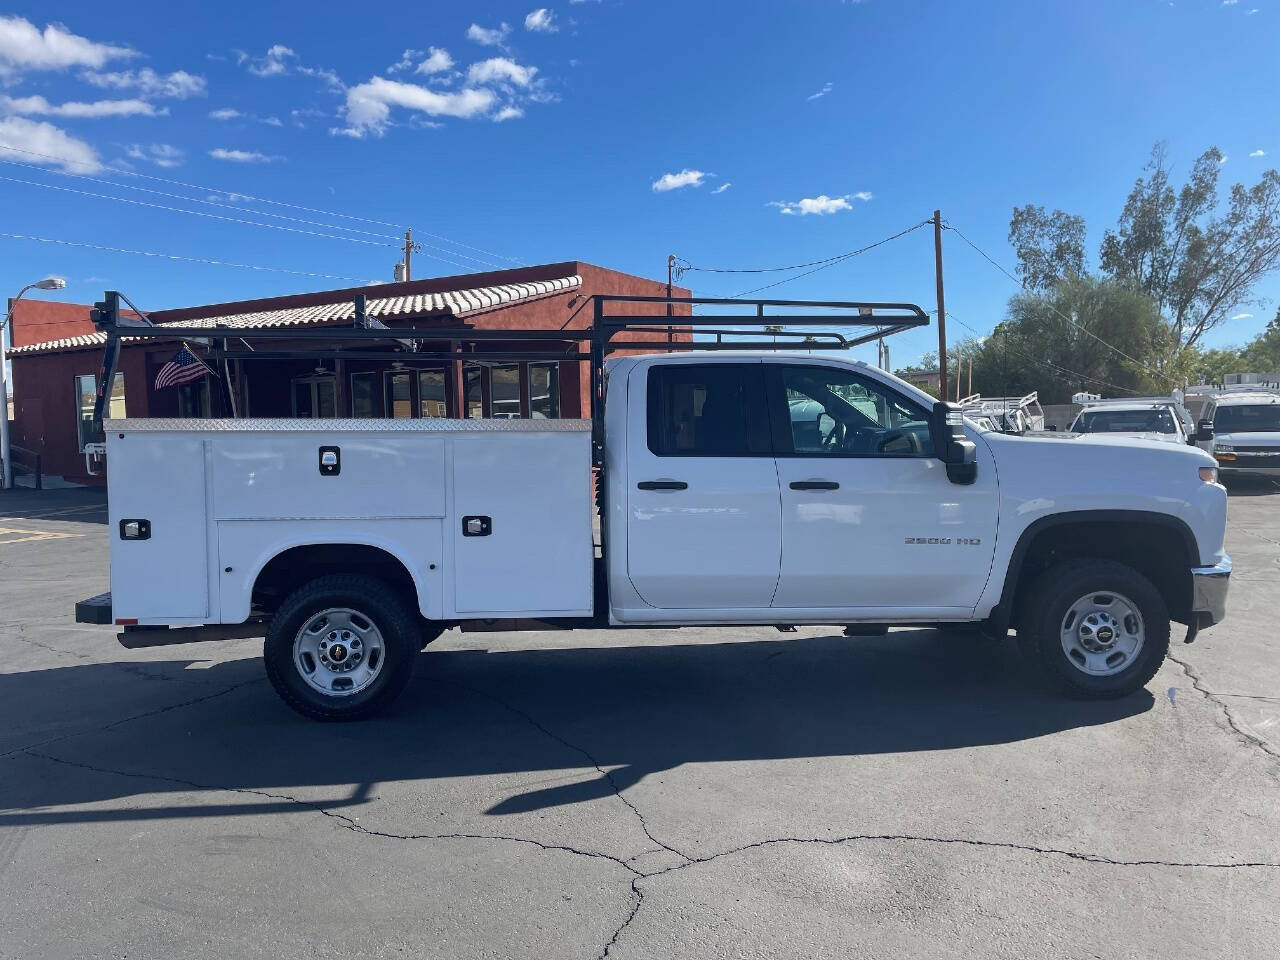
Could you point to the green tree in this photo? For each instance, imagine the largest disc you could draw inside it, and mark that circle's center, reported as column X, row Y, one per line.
column 1052, row 342
column 1262, row 354
column 1049, row 246
column 1196, row 261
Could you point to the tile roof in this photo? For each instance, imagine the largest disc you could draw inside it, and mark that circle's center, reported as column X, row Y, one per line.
column 455, row 303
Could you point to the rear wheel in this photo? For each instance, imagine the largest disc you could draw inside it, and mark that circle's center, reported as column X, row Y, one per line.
column 341, row 647
column 1094, row 629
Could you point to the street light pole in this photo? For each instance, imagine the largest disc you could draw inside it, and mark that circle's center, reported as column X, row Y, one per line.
column 48, row 283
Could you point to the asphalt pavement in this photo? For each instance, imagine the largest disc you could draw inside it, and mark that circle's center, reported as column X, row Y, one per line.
column 635, row 794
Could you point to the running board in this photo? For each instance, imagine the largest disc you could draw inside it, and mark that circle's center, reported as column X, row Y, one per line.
column 134, row 638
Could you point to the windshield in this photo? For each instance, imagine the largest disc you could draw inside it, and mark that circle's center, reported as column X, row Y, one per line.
column 1257, row 418
column 1126, row 421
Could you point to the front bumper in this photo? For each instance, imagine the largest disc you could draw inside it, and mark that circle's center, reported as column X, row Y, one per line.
column 1209, row 592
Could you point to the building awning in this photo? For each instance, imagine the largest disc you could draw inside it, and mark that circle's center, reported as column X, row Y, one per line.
column 453, row 303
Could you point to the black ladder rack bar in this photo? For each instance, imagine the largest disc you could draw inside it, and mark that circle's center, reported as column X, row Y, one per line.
column 883, row 318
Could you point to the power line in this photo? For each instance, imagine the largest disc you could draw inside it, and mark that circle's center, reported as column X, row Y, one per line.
column 238, row 193
column 1138, row 363
column 212, row 203
column 174, row 256
column 831, row 262
column 194, row 213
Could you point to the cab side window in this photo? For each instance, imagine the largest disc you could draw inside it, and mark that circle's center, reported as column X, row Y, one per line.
column 707, row 410
column 831, row 412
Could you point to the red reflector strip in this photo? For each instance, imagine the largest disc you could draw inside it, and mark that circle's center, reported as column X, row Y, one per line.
column 126, row 621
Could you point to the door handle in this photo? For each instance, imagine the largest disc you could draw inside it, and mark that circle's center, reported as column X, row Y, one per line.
column 662, row 485
column 815, row 485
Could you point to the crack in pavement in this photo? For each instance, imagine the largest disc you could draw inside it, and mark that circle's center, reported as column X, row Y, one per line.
column 132, row 669
column 607, row 774
column 137, row 716
column 1244, row 735
column 345, row 822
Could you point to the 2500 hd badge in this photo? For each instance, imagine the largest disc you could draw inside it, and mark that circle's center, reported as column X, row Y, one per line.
column 959, row 541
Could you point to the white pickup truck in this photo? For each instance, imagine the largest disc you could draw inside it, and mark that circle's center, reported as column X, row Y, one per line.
column 736, row 488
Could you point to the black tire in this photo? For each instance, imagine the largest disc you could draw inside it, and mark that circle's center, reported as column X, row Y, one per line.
column 1046, row 605
column 375, row 601
column 429, row 633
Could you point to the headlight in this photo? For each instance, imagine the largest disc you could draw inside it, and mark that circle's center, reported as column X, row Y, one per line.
column 1209, row 474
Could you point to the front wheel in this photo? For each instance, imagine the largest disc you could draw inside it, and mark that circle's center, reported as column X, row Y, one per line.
column 1096, row 629
column 341, row 647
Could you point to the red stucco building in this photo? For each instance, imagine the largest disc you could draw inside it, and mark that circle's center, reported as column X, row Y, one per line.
column 56, row 355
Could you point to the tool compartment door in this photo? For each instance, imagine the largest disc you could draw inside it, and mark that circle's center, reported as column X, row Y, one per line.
column 160, row 478
column 530, row 549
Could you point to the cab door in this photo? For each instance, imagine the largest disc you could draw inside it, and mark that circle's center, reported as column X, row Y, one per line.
column 869, row 518
column 704, row 518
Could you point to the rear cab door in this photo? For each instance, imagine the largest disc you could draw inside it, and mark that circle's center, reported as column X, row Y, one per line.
column 703, row 509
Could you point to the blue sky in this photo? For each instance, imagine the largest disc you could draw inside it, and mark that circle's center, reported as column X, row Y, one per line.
column 787, row 132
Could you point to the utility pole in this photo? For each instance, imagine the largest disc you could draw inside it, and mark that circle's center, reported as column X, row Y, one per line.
column 942, row 309
column 671, row 266
column 408, row 254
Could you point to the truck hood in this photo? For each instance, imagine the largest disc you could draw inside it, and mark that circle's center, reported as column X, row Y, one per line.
column 1266, row 439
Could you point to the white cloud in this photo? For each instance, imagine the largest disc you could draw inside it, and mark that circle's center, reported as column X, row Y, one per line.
column 500, row 70
column 368, row 106
column 508, row 112
column 1243, row 316
column 674, row 181
column 438, row 61
column 1251, row 11
column 1258, row 153
column 819, row 205
column 1230, row 3
column 328, row 77
column 723, row 187
column 488, row 37
column 405, row 61
column 36, row 141
column 178, row 85
column 541, row 20
column 272, row 121
column 161, row 154
column 224, row 113
column 37, row 105
column 24, row 47
column 826, row 88
column 241, row 156
column 1223, row 159
column 272, row 64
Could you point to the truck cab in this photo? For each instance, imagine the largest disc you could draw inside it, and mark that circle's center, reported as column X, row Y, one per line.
column 1241, row 429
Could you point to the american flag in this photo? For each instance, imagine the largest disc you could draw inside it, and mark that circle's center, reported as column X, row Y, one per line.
column 183, row 368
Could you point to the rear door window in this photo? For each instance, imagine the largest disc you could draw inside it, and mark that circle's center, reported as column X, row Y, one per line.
column 707, row 410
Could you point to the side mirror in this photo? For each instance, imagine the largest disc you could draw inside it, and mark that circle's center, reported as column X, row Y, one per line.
column 951, row 445
column 1052, row 427
column 1204, row 431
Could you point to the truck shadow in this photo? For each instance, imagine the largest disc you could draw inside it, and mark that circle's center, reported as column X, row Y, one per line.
column 631, row 710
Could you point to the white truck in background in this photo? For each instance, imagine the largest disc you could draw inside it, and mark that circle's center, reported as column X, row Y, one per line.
column 1147, row 418
column 1240, row 427
column 736, row 488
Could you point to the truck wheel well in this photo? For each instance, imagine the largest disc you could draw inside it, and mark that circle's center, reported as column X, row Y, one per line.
column 287, row 571
column 1158, row 550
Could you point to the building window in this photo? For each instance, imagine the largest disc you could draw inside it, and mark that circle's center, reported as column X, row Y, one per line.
column 193, row 399
column 473, row 390
column 396, row 387
column 544, row 391
column 86, row 394
column 504, row 391
column 432, row 397
column 363, row 395
column 313, row 397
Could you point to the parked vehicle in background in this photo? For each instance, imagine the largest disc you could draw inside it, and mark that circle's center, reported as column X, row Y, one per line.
column 735, row 488
column 1240, row 427
column 1006, row 414
column 1146, row 418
